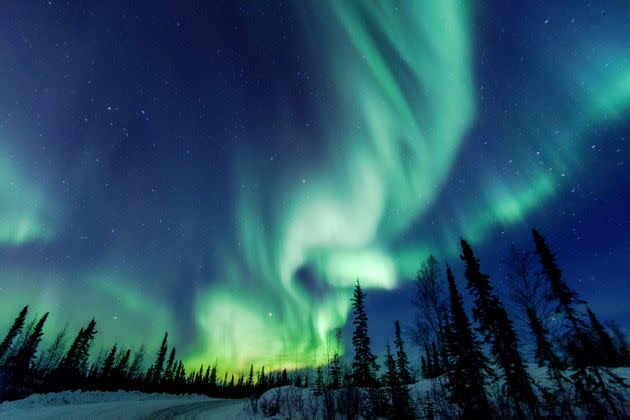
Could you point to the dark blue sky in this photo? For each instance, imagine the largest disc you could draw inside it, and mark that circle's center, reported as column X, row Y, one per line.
column 226, row 171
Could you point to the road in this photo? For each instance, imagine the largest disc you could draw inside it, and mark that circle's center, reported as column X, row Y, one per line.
column 217, row 409
column 164, row 408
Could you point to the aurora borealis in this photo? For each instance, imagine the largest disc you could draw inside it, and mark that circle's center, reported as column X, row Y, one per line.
column 227, row 171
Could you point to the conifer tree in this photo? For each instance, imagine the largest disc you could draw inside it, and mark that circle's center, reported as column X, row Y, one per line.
column 262, row 379
column 544, row 353
column 588, row 380
column 402, row 361
column 21, row 361
column 250, row 378
column 398, row 394
column 437, row 366
column 497, row 330
column 15, row 329
column 156, row 373
column 74, row 362
column 213, row 376
column 423, row 367
column 429, row 362
column 285, row 378
column 135, row 370
column 579, row 346
column 120, row 371
column 83, row 352
column 335, row 371
column 108, row 364
column 606, row 351
column 468, row 370
column 622, row 344
column 319, row 381
column 364, row 363
column 206, row 377
column 168, row 372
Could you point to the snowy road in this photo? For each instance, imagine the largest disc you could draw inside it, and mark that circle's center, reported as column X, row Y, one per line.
column 219, row 409
column 129, row 406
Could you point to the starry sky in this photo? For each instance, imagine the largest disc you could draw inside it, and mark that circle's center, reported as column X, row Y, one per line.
column 226, row 170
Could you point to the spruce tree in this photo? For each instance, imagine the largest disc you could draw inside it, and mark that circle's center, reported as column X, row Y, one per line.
column 437, row 366
column 74, row 363
column 429, row 362
column 262, row 379
column 423, row 367
column 401, row 357
column 21, row 361
column 622, row 344
column 588, row 381
column 108, row 364
column 168, row 372
column 250, row 378
column 135, row 370
column 206, row 377
column 213, row 376
column 15, row 329
column 364, row 363
column 319, row 381
column 544, row 353
column 83, row 352
column 606, row 352
column 335, row 372
column 398, row 394
column 468, row 369
column 497, row 330
column 545, row 356
column 120, row 370
column 159, row 361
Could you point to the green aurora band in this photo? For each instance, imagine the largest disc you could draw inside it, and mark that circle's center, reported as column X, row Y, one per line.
column 409, row 97
column 405, row 103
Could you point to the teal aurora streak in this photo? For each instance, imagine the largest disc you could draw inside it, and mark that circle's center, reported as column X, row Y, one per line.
column 406, row 98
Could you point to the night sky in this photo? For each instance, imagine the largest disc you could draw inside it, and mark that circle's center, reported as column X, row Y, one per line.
column 226, row 172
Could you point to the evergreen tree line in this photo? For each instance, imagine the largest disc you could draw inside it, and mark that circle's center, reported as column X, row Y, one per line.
column 26, row 369
column 468, row 358
column 463, row 358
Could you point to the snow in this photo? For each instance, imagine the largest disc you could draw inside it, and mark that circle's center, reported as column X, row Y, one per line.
column 120, row 404
column 284, row 402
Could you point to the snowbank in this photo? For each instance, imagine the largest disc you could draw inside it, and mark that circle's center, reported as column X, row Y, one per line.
column 120, row 404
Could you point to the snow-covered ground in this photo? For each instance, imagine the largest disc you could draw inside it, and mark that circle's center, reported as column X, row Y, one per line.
column 283, row 402
column 120, row 405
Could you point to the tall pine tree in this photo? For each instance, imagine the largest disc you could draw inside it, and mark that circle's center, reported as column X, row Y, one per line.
column 401, row 357
column 159, row 360
column 364, row 363
column 15, row 329
column 468, row 370
column 497, row 330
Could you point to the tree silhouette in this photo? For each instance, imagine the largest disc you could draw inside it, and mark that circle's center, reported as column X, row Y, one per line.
column 364, row 363
column 335, row 371
column 497, row 330
column 401, row 357
column 606, row 352
column 398, row 394
column 156, row 372
column 15, row 329
column 468, row 370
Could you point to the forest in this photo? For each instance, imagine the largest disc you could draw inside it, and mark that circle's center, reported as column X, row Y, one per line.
column 478, row 363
